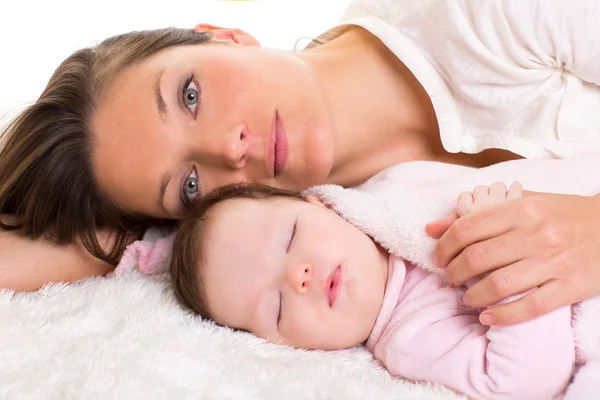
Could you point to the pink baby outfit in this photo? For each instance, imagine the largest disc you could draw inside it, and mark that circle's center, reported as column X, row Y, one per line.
column 425, row 332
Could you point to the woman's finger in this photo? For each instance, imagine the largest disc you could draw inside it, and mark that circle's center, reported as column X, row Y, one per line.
column 498, row 191
column 540, row 301
column 464, row 203
column 480, row 192
column 437, row 228
column 506, row 282
column 473, row 228
column 487, row 255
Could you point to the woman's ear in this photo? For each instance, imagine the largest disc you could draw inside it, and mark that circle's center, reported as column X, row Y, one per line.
column 228, row 34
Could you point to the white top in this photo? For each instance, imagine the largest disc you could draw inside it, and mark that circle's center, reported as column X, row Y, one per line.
column 511, row 74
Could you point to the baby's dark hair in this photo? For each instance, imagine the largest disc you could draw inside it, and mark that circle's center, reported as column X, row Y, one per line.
column 187, row 249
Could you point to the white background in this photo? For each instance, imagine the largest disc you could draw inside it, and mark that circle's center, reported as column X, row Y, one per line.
column 35, row 36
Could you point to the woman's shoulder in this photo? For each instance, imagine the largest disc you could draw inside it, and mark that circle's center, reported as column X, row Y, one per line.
column 367, row 13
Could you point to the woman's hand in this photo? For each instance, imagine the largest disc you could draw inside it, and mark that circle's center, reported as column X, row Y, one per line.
column 546, row 241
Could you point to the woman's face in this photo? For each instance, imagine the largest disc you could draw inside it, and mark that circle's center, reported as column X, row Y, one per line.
column 193, row 118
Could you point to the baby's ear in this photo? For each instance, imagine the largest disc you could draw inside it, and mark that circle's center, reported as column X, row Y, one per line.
column 315, row 200
column 228, row 34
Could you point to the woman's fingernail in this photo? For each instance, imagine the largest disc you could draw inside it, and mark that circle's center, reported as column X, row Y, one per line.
column 486, row 319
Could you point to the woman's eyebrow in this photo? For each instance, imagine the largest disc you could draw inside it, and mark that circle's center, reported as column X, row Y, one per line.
column 163, row 110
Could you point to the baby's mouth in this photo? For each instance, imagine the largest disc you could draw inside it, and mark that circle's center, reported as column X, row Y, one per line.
column 332, row 285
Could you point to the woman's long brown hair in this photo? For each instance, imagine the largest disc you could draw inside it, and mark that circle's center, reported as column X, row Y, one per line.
column 46, row 175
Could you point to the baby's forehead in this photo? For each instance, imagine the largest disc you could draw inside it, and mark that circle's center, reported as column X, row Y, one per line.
column 243, row 210
column 243, row 204
column 242, row 219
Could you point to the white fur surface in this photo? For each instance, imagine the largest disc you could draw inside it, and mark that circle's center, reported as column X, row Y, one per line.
column 126, row 338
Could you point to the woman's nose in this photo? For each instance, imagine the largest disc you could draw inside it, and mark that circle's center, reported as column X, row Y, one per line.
column 235, row 148
column 299, row 276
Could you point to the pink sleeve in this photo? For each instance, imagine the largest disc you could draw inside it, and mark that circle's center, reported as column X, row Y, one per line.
column 532, row 360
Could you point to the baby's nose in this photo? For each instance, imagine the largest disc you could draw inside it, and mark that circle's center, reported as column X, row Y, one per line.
column 299, row 276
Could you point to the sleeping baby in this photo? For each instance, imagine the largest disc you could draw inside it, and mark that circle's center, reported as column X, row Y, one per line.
column 291, row 268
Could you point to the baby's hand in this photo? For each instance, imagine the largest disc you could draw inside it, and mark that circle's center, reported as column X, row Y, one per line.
column 483, row 197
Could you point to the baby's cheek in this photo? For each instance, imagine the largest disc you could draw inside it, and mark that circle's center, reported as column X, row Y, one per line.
column 308, row 331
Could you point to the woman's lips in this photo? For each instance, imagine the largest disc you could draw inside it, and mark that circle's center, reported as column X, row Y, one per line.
column 280, row 148
column 333, row 283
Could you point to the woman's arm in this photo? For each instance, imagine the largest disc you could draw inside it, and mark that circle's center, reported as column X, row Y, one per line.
column 28, row 264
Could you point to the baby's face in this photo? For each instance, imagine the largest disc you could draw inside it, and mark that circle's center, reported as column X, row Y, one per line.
column 292, row 272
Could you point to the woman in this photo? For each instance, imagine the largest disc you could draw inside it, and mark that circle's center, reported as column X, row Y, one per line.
column 129, row 133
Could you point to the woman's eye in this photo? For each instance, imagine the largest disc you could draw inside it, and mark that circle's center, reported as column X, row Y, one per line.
column 292, row 236
column 189, row 190
column 190, row 95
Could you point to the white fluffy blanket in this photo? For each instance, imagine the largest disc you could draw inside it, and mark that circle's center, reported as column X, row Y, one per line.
column 126, row 338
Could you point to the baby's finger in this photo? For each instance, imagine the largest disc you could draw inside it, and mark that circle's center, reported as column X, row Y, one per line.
column 464, row 203
column 480, row 193
column 498, row 190
column 515, row 191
